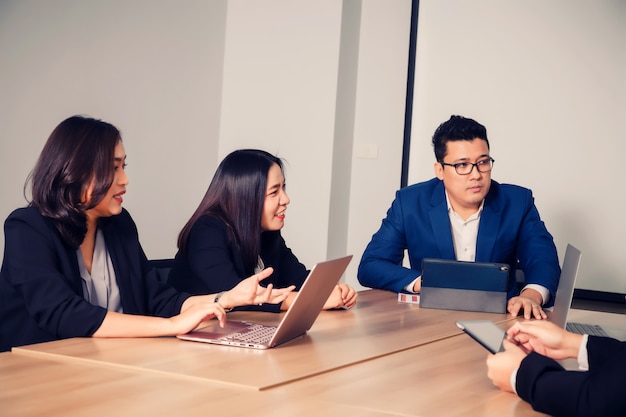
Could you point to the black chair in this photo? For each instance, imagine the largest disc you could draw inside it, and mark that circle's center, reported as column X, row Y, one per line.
column 162, row 267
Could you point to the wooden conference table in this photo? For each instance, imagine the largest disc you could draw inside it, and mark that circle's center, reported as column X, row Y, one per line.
column 382, row 358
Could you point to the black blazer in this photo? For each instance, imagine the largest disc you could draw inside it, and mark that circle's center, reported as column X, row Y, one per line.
column 41, row 295
column 213, row 263
column 550, row 389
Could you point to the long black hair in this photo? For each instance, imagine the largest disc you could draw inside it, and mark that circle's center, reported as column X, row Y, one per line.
column 78, row 154
column 236, row 195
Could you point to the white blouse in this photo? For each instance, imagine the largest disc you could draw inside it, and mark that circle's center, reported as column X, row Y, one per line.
column 100, row 287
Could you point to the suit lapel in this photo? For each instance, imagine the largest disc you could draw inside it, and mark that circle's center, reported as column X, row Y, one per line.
column 120, row 265
column 440, row 222
column 489, row 224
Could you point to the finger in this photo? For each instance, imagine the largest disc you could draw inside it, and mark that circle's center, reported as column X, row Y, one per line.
column 352, row 300
column 513, row 330
column 270, row 291
column 347, row 303
column 264, row 273
column 283, row 293
column 508, row 345
column 286, row 290
column 514, row 308
column 348, row 294
column 542, row 313
column 342, row 290
column 220, row 315
column 266, row 295
column 528, row 311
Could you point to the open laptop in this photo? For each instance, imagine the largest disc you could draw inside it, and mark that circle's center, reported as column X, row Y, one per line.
column 297, row 321
column 565, row 293
column 461, row 285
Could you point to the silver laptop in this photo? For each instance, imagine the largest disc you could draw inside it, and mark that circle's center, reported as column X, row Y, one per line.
column 303, row 312
column 565, row 293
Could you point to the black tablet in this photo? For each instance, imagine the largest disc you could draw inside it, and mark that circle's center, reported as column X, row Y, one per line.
column 485, row 332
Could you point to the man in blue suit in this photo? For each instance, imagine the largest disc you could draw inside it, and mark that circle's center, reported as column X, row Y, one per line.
column 463, row 214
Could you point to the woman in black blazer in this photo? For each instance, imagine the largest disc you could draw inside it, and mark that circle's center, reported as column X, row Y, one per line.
column 73, row 265
column 235, row 231
column 528, row 367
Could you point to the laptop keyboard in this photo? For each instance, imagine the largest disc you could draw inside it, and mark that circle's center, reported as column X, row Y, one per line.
column 257, row 333
column 584, row 328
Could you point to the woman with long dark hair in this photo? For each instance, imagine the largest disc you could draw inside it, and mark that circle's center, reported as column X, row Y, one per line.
column 235, row 231
column 73, row 265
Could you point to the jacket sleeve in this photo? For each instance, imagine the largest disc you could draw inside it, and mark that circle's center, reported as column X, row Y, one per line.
column 381, row 263
column 536, row 250
column 551, row 389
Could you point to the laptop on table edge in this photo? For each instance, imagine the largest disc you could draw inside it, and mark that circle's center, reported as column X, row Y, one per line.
column 565, row 294
column 301, row 315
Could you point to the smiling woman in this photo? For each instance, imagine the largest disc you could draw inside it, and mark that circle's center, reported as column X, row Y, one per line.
column 73, row 264
column 235, row 231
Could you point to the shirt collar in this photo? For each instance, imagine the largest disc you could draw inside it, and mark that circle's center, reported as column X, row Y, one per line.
column 477, row 214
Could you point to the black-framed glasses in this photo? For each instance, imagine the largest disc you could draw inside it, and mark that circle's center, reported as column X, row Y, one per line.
column 465, row 168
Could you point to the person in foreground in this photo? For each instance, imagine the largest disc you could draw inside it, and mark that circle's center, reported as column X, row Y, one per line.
column 235, row 231
column 463, row 214
column 528, row 367
column 73, row 265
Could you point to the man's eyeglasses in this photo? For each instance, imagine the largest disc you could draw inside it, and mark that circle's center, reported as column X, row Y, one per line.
column 465, row 168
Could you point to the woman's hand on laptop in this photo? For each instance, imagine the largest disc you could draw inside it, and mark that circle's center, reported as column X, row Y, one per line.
column 194, row 314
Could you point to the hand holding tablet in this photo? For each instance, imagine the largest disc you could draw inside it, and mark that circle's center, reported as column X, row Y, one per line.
column 485, row 332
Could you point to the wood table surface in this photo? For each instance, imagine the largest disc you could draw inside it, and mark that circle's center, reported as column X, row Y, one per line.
column 378, row 326
column 380, row 359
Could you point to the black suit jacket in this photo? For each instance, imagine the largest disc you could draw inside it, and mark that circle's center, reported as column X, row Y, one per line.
column 212, row 262
column 600, row 391
column 41, row 295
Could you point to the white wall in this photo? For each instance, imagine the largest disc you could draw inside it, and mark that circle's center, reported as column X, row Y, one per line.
column 280, row 83
column 187, row 82
column 547, row 80
column 379, row 118
column 152, row 68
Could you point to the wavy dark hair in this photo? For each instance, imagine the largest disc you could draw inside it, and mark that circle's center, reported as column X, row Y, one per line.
column 78, row 154
column 236, row 195
column 456, row 128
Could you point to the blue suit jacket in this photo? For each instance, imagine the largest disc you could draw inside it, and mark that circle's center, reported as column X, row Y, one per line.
column 510, row 231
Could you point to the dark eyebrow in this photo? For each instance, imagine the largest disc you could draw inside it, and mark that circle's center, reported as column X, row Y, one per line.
column 465, row 159
column 118, row 159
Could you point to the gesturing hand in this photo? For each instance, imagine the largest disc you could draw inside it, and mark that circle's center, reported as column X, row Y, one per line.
column 249, row 291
